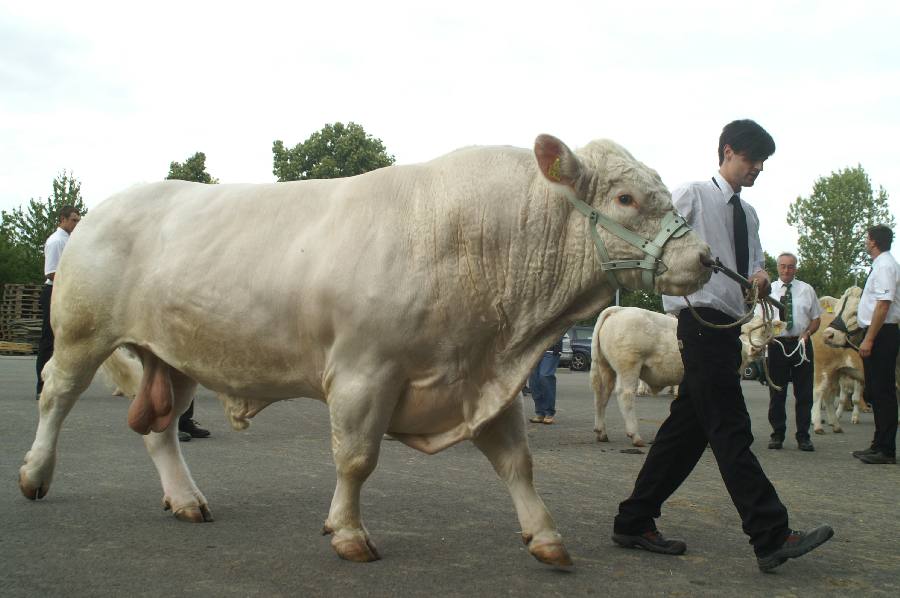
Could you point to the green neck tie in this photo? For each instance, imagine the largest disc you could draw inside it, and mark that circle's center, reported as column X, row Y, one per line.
column 788, row 307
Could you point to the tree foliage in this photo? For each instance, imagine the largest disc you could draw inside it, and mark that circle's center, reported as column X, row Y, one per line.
column 23, row 231
column 642, row 299
column 193, row 169
column 832, row 225
column 335, row 151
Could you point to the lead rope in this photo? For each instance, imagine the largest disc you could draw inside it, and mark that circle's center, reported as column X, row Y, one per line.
column 767, row 313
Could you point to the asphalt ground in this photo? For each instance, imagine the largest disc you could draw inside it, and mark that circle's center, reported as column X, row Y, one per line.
column 444, row 524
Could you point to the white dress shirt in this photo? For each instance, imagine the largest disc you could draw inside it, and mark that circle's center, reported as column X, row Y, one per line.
column 883, row 284
column 704, row 204
column 53, row 249
column 805, row 304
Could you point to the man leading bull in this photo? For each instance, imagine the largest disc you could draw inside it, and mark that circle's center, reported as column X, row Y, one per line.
column 710, row 408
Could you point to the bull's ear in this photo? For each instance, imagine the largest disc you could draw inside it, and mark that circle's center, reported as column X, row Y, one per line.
column 556, row 161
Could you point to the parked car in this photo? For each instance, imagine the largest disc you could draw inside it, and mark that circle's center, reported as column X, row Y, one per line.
column 580, row 343
column 565, row 358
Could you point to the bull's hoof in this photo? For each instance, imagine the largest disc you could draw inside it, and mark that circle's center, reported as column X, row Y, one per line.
column 551, row 553
column 602, row 437
column 638, row 441
column 191, row 513
column 819, row 431
column 838, row 430
column 355, row 547
column 30, row 490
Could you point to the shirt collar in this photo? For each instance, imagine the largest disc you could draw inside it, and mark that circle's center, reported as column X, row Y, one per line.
column 60, row 229
column 724, row 188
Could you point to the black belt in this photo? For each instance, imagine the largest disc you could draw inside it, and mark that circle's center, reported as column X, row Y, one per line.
column 787, row 338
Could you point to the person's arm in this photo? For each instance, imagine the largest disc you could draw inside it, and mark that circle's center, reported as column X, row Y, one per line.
column 878, row 316
column 757, row 259
column 811, row 329
column 52, row 253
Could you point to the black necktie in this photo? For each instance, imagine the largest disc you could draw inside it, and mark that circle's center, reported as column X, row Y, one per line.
column 741, row 248
column 788, row 301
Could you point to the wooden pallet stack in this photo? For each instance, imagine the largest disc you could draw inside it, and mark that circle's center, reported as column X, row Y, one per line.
column 20, row 319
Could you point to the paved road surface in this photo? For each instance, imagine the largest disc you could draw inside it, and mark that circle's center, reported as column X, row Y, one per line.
column 444, row 524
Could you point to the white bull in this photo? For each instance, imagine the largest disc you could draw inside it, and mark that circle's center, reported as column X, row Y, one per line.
column 412, row 300
column 630, row 345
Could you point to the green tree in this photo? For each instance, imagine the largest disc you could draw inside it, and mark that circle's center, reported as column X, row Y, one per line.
column 832, row 225
column 193, row 169
column 642, row 299
column 23, row 232
column 335, row 151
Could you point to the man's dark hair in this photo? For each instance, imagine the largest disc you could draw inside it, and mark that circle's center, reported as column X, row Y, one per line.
column 882, row 236
column 66, row 212
column 746, row 138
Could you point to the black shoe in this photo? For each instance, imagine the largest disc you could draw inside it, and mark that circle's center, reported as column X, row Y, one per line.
column 651, row 540
column 868, row 451
column 776, row 444
column 184, row 436
column 878, row 459
column 796, row 544
column 193, row 429
column 806, row 445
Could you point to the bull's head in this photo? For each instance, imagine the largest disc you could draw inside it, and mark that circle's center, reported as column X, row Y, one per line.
column 641, row 242
column 844, row 330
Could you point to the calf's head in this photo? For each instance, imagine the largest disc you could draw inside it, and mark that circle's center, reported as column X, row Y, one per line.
column 844, row 330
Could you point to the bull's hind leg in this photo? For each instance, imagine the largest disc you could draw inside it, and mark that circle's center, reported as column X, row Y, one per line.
column 68, row 374
column 504, row 443
column 360, row 409
column 180, row 493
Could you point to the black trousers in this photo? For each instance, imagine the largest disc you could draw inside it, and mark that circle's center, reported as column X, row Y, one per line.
column 710, row 410
column 782, row 370
column 880, row 391
column 45, row 345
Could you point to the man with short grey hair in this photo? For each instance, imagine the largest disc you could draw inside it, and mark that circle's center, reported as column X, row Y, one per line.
column 790, row 353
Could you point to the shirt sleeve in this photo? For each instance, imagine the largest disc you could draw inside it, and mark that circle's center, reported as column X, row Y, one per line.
column 816, row 310
column 884, row 284
column 684, row 198
column 52, row 252
column 757, row 259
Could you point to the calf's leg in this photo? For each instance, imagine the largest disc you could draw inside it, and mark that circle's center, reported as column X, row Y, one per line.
column 603, row 378
column 504, row 443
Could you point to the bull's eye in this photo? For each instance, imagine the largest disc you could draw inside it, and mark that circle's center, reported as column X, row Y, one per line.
column 625, row 199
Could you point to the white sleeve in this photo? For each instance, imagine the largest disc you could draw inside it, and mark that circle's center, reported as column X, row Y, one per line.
column 52, row 252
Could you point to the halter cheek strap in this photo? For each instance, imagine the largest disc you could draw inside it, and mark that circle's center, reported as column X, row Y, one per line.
column 671, row 227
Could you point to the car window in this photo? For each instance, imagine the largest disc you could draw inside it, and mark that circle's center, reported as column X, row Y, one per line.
column 582, row 333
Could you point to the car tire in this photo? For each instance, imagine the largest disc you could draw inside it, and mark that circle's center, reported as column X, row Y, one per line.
column 579, row 363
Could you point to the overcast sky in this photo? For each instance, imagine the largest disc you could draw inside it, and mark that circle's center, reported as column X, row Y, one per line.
column 115, row 91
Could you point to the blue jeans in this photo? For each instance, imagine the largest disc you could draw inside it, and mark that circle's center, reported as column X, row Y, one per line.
column 543, row 384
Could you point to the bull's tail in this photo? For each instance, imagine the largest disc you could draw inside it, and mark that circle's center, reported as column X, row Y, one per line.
column 123, row 371
column 595, row 337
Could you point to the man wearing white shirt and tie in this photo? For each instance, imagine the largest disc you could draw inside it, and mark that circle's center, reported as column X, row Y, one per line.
column 53, row 248
column 879, row 314
column 787, row 360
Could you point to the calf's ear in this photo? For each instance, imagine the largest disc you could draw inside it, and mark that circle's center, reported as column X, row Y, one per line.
column 556, row 161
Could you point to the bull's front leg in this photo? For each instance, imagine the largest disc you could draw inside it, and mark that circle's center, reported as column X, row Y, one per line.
column 504, row 443
column 359, row 419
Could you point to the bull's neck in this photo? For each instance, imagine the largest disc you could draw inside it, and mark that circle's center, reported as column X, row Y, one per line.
column 554, row 278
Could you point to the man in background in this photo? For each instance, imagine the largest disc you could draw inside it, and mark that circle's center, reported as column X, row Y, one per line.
column 53, row 248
